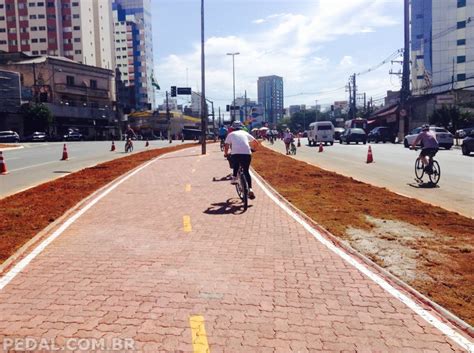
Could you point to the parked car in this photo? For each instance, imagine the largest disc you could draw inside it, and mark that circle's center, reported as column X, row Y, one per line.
column 9, row 136
column 337, row 132
column 381, row 134
column 36, row 136
column 462, row 133
column 353, row 135
column 468, row 144
column 444, row 137
column 74, row 136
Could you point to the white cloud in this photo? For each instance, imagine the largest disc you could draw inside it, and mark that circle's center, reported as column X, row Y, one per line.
column 286, row 46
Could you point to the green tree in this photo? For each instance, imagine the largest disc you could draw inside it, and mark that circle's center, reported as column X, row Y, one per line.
column 451, row 118
column 36, row 117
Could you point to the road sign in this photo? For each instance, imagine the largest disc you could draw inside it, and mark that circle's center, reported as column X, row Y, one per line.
column 445, row 99
column 184, row 90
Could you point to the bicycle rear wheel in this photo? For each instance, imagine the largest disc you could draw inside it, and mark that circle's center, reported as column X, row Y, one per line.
column 245, row 190
column 419, row 169
column 435, row 173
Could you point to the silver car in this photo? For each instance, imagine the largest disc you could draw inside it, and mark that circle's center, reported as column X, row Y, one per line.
column 444, row 137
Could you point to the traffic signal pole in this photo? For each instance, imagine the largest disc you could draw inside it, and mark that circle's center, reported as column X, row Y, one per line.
column 204, row 116
column 168, row 117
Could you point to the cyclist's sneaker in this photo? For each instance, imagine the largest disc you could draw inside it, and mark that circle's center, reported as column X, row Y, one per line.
column 251, row 194
column 234, row 180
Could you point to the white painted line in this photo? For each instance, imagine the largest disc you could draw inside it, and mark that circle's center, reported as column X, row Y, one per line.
column 445, row 329
column 4, row 280
column 35, row 165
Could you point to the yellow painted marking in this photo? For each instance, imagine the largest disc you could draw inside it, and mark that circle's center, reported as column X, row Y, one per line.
column 188, row 188
column 187, row 224
column 199, row 336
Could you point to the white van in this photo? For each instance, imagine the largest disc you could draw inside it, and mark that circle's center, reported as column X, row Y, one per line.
column 321, row 131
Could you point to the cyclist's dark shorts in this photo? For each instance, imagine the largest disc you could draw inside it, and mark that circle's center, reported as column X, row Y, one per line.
column 429, row 152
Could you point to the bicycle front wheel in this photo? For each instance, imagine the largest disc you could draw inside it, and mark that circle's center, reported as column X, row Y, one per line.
column 419, row 169
column 245, row 191
column 436, row 173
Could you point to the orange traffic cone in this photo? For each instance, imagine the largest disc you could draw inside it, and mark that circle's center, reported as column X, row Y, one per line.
column 370, row 158
column 65, row 156
column 321, row 147
column 147, row 143
column 3, row 165
column 299, row 142
column 113, row 147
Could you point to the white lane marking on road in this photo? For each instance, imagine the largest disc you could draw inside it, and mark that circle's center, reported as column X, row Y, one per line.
column 445, row 329
column 24, row 262
column 35, row 165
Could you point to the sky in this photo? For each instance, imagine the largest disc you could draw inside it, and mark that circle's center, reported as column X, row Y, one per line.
column 315, row 45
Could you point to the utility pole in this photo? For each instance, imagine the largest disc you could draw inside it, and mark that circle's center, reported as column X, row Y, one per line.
column 221, row 123
column 204, row 116
column 350, row 100
column 354, row 96
column 168, row 118
column 365, row 103
column 405, row 90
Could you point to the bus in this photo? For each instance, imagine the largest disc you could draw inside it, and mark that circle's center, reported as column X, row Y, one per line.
column 356, row 123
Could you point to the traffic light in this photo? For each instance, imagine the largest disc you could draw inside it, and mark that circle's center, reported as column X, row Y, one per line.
column 227, row 108
column 332, row 108
column 173, row 91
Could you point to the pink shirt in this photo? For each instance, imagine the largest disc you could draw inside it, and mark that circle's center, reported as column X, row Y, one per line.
column 428, row 139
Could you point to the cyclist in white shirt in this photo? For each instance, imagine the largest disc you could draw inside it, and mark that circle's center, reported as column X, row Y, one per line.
column 241, row 144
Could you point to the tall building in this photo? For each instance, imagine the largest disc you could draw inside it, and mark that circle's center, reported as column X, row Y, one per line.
column 78, row 30
column 442, row 45
column 270, row 96
column 134, row 43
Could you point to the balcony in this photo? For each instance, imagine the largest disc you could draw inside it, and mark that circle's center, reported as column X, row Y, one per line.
column 80, row 112
column 81, row 90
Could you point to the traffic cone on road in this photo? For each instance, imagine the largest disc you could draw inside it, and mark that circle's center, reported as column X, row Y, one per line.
column 147, row 143
column 370, row 158
column 299, row 142
column 113, row 147
column 3, row 166
column 65, row 156
column 321, row 147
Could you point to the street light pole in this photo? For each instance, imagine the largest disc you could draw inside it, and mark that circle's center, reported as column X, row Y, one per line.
column 233, row 84
column 204, row 116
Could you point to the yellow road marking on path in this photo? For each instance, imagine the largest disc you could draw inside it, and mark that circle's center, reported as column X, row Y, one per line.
column 199, row 336
column 187, row 188
column 187, row 224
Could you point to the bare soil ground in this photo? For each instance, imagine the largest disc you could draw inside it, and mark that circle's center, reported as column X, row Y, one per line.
column 6, row 145
column 25, row 214
column 426, row 246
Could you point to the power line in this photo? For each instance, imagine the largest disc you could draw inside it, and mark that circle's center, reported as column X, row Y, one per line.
column 392, row 56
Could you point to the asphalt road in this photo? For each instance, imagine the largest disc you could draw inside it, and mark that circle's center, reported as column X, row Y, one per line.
column 393, row 168
column 37, row 163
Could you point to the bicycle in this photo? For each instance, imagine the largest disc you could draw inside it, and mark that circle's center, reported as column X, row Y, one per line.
column 292, row 149
column 128, row 146
column 222, row 145
column 433, row 170
column 242, row 187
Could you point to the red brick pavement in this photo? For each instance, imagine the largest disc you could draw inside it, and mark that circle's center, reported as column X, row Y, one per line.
column 127, row 269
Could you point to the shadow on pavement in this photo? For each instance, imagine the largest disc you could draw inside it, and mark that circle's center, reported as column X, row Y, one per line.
column 226, row 178
column 428, row 185
column 62, row 172
column 231, row 206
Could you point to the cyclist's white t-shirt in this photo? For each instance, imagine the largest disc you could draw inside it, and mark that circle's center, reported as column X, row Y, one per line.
column 239, row 141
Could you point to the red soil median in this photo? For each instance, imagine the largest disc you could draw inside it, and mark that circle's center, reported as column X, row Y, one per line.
column 25, row 214
column 426, row 246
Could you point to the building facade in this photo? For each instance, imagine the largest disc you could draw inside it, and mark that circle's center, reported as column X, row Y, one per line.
column 442, row 45
column 78, row 30
column 270, row 96
column 77, row 95
column 134, row 48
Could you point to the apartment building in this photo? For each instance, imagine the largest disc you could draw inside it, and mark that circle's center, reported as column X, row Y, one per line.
column 270, row 96
column 80, row 30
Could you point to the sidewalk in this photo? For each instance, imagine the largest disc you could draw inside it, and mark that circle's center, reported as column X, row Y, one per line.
column 166, row 262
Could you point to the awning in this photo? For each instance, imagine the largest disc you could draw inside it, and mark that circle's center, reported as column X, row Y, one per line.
column 383, row 113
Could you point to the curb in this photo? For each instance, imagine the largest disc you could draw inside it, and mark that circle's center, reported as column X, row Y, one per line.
column 442, row 312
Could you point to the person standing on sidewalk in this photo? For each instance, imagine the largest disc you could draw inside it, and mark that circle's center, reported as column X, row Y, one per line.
column 241, row 143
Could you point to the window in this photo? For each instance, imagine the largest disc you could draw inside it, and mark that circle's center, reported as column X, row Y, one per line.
column 93, row 84
column 34, row 28
column 461, row 24
column 51, row 28
column 77, row 40
column 51, row 17
column 13, row 42
column 419, row 16
column 461, row 3
column 32, row 4
column 77, row 28
column 75, row 16
column 12, row 30
column 42, row 28
column 21, row 6
column 40, row 3
column 41, row 16
column 420, row 56
column 34, row 40
column 461, row 42
column 52, row 40
column 420, row 77
column 42, row 40
column 2, row 18
column 461, row 59
column 32, row 17
column 35, row 52
column 2, row 30
column 24, row 42
column 43, row 52
column 75, row 3
column 50, row 4
column 461, row 77
column 2, row 42
column 78, row 52
column 23, row 18
column 70, row 80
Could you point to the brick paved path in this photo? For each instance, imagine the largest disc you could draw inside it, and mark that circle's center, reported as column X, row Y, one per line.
column 134, row 267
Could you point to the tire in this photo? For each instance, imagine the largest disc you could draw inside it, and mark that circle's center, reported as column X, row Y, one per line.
column 245, row 191
column 332, row 143
column 448, row 147
column 365, row 142
column 465, row 150
column 405, row 143
column 419, row 170
column 436, row 174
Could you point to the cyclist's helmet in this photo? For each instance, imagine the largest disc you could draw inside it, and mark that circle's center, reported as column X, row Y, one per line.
column 425, row 127
column 237, row 125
